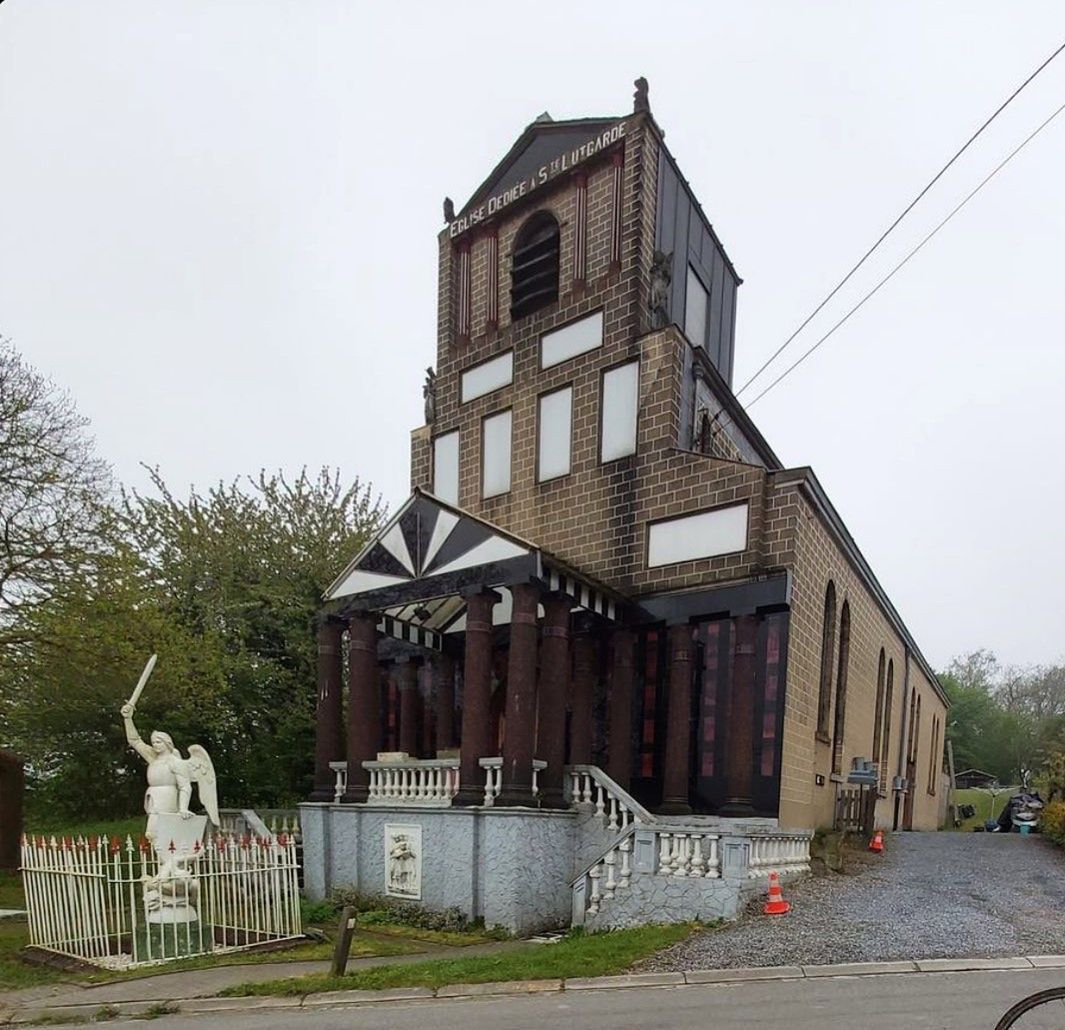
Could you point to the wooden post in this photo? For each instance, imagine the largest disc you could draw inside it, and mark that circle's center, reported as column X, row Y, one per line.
column 343, row 943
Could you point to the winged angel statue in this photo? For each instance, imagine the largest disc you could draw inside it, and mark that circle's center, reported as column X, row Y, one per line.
column 170, row 775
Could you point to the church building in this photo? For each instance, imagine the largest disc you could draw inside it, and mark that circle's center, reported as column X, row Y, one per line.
column 609, row 638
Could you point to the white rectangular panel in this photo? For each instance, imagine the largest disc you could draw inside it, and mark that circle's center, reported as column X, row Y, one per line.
column 705, row 535
column 621, row 388
column 495, row 451
column 556, row 425
column 446, row 467
column 695, row 309
column 576, row 338
column 488, row 376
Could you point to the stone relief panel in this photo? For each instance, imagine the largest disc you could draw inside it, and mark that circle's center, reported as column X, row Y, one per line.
column 403, row 861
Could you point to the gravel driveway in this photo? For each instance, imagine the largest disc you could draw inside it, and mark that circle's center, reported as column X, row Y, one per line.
column 930, row 895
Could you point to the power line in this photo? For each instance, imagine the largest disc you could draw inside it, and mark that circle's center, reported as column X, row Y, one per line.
column 909, row 207
column 1002, row 164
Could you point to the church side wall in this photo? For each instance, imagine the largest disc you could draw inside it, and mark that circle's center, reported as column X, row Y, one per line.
column 806, row 755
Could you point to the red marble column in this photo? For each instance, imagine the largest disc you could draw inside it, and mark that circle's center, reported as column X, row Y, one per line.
column 552, row 691
column 678, row 724
column 444, row 684
column 516, row 786
column 329, row 712
column 585, row 673
column 476, row 697
column 364, row 720
column 619, row 761
column 739, row 744
column 407, row 681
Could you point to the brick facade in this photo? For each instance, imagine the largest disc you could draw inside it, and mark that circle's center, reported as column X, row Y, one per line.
column 596, row 518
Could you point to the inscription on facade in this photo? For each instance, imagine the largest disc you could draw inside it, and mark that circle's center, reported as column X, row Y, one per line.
column 403, row 861
column 544, row 174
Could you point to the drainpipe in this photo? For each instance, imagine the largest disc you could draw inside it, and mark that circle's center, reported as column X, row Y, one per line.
column 904, row 732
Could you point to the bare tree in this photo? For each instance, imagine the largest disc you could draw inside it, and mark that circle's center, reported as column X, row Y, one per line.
column 53, row 491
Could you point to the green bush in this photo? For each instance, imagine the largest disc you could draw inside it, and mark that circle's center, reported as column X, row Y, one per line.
column 317, row 911
column 1052, row 822
column 373, row 908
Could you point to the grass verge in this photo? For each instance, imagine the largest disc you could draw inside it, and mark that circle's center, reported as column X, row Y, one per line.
column 578, row 954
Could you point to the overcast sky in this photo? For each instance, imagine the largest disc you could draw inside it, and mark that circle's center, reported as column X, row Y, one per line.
column 218, row 229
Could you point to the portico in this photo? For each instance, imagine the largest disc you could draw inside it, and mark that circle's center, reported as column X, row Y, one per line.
column 464, row 644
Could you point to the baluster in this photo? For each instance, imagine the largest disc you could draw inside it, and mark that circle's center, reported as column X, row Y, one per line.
column 626, row 862
column 611, row 884
column 593, row 890
column 338, row 785
column 587, row 792
column 680, row 861
column 713, row 862
column 574, row 787
column 600, row 808
column 613, row 821
column 664, row 843
column 697, row 864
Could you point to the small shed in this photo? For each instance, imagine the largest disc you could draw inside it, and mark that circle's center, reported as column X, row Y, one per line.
column 974, row 778
column 12, row 787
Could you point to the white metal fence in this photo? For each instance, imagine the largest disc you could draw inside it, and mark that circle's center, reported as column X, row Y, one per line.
column 118, row 904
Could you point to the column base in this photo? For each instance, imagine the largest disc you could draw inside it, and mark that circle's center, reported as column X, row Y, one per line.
column 674, row 806
column 357, row 795
column 553, row 797
column 517, row 796
column 469, row 797
column 737, row 808
column 322, row 794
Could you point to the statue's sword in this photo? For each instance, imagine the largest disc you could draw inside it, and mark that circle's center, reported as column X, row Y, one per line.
column 135, row 696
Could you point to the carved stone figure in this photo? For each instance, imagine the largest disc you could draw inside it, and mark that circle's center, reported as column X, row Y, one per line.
column 639, row 98
column 403, row 861
column 170, row 774
column 429, row 393
column 661, row 278
column 449, row 210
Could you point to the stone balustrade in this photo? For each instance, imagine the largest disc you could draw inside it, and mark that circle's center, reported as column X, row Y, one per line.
column 779, row 853
column 589, row 785
column 428, row 781
column 432, row 781
column 688, row 852
column 609, row 874
column 493, row 777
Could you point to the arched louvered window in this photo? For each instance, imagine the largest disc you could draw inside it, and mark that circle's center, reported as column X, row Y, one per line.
column 841, row 688
column 534, row 266
column 828, row 644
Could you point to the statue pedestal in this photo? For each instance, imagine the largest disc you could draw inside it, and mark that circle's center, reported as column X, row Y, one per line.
column 172, row 895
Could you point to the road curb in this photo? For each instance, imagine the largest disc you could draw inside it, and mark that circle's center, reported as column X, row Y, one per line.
column 518, row 988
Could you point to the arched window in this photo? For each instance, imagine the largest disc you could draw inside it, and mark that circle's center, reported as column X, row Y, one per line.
column 841, row 688
column 878, row 715
column 534, row 266
column 828, row 644
column 885, row 743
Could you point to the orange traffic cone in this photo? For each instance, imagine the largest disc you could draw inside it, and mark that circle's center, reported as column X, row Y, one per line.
column 877, row 843
column 776, row 905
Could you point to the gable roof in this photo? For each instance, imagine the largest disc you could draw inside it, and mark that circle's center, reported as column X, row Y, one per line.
column 542, row 141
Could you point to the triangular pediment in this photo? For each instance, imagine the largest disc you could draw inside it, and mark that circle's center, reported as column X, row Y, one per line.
column 543, row 143
column 426, row 539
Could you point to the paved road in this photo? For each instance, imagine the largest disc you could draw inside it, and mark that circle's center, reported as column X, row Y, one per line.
column 930, row 895
column 946, row 1001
